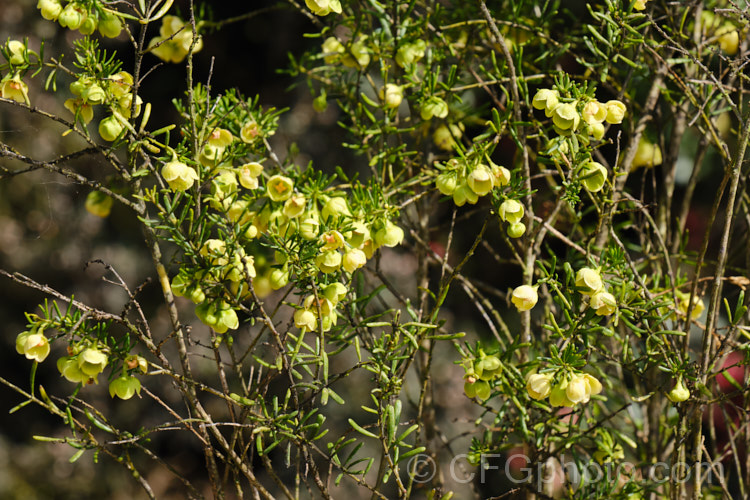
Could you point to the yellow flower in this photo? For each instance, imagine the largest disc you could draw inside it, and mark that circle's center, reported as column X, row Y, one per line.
column 15, row 90
column 538, row 385
column 524, row 297
column 615, row 111
column 480, row 180
column 323, row 7
column 98, row 203
column 178, row 175
column 511, row 211
column 640, row 4
column 392, row 95
column 604, row 303
column 588, row 281
column 33, row 344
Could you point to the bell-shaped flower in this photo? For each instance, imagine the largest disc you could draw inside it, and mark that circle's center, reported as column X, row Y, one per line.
column 92, row 361
column 524, row 297
column 389, row 235
column 178, row 175
column 539, row 385
column 433, row 107
column 33, row 344
column 15, row 89
column 354, row 258
column 124, row 387
column 604, row 303
column 480, row 180
column 334, row 208
column 323, row 7
column 593, row 175
column 615, row 111
column 392, row 95
column 50, row 9
column 566, row 117
column 279, row 188
column 588, row 281
column 679, row 392
column 511, row 211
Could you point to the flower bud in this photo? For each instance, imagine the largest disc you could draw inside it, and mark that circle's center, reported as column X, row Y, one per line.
column 538, row 385
column 124, row 387
column 178, row 175
column 593, row 175
column 524, row 297
column 729, row 38
column 480, row 180
column 392, row 95
column 604, row 303
column 279, row 188
column 320, row 103
column 511, row 211
column 110, row 128
column 615, row 111
column 588, row 281
column 596, row 131
column 566, row 117
column 679, row 392
column 16, row 50
column 354, row 258
column 516, row 230
column 98, row 203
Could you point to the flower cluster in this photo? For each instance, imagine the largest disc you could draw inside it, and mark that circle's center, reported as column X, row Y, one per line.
column 466, row 180
column 175, row 40
column 480, row 372
column 354, row 54
column 321, row 311
column 114, row 92
column 570, row 115
column 86, row 17
column 589, row 282
column 570, row 389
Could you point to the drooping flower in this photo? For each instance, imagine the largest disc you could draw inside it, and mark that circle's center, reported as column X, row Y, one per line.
column 524, row 297
column 178, row 175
